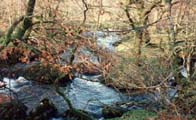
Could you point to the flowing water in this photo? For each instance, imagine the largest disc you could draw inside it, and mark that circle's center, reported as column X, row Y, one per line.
column 92, row 96
column 86, row 93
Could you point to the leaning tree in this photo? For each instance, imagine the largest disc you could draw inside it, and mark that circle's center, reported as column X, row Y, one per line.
column 21, row 28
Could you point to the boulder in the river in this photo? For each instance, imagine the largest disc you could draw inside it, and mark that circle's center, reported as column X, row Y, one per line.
column 13, row 110
column 44, row 111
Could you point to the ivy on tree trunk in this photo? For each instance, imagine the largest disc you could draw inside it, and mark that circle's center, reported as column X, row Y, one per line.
column 27, row 22
column 20, row 26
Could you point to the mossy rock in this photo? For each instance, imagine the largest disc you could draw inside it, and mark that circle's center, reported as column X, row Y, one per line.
column 137, row 115
column 76, row 114
column 13, row 111
column 112, row 112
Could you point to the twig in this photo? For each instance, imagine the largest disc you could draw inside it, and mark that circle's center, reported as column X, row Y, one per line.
column 158, row 85
column 129, row 17
column 137, row 28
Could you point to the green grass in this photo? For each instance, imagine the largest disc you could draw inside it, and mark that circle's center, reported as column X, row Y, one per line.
column 137, row 115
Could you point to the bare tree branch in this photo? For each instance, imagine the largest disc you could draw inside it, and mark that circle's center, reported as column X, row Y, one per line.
column 85, row 11
column 154, row 5
column 140, row 27
column 129, row 17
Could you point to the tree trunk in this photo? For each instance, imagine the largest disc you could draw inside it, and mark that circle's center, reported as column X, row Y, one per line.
column 139, row 40
column 172, row 33
column 23, row 27
column 27, row 22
